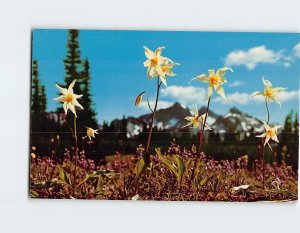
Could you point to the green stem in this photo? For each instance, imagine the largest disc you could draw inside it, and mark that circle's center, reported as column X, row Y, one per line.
column 268, row 112
column 153, row 115
column 200, row 142
column 76, row 153
column 263, row 146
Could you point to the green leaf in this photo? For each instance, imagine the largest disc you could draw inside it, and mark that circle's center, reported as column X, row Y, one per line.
column 180, row 166
column 33, row 194
column 84, row 180
column 168, row 163
column 108, row 173
column 139, row 167
column 203, row 182
column 64, row 176
column 99, row 185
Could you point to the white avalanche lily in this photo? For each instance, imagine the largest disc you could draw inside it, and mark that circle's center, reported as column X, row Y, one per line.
column 167, row 71
column 68, row 98
column 196, row 120
column 269, row 92
column 237, row 188
column 270, row 133
column 91, row 132
column 158, row 65
column 215, row 81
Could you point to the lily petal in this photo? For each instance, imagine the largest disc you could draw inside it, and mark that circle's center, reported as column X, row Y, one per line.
column 211, row 72
column 209, row 91
column 275, row 128
column 220, row 91
column 64, row 91
column 65, row 107
column 159, row 71
column 70, row 89
column 147, row 63
column 72, row 108
column 203, row 78
column 222, row 71
column 261, row 136
column 207, row 127
column 195, row 125
column 257, row 93
column 278, row 89
column 275, row 138
column 163, row 80
column 158, row 51
column 61, row 98
column 188, row 124
column 266, row 141
column 267, row 83
column 149, row 53
column 196, row 111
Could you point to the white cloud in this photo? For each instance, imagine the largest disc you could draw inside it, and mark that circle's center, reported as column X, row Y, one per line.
column 253, row 56
column 160, row 105
column 285, row 96
column 186, row 95
column 246, row 98
column 235, row 98
column 297, row 50
column 236, row 84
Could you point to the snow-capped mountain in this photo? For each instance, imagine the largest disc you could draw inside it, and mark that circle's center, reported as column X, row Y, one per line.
column 172, row 119
column 237, row 121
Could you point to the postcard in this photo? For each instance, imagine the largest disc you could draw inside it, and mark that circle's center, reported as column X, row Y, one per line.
column 164, row 115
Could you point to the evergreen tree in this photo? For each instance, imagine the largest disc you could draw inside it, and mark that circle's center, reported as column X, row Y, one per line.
column 88, row 115
column 72, row 61
column 38, row 100
column 288, row 125
column 43, row 100
column 296, row 123
column 35, row 93
column 73, row 69
column 77, row 69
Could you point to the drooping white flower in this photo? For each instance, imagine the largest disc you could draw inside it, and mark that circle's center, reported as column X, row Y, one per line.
column 241, row 187
column 91, row 132
column 215, row 81
column 167, row 71
column 157, row 65
column 68, row 98
column 269, row 92
column 270, row 133
column 196, row 120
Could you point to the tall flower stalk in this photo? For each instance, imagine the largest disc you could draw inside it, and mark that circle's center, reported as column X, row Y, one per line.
column 215, row 81
column 157, row 67
column 76, row 152
column 269, row 93
column 69, row 100
column 153, row 116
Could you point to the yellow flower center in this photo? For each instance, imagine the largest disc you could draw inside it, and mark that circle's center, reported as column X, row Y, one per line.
column 154, row 61
column 69, row 98
column 214, row 79
column 268, row 93
column 164, row 68
column 89, row 132
column 195, row 119
column 270, row 133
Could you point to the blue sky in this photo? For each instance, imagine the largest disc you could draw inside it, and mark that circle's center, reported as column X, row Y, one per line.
column 118, row 76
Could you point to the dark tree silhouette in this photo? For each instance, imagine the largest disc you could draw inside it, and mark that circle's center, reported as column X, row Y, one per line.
column 72, row 61
column 288, row 125
column 88, row 115
column 38, row 100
